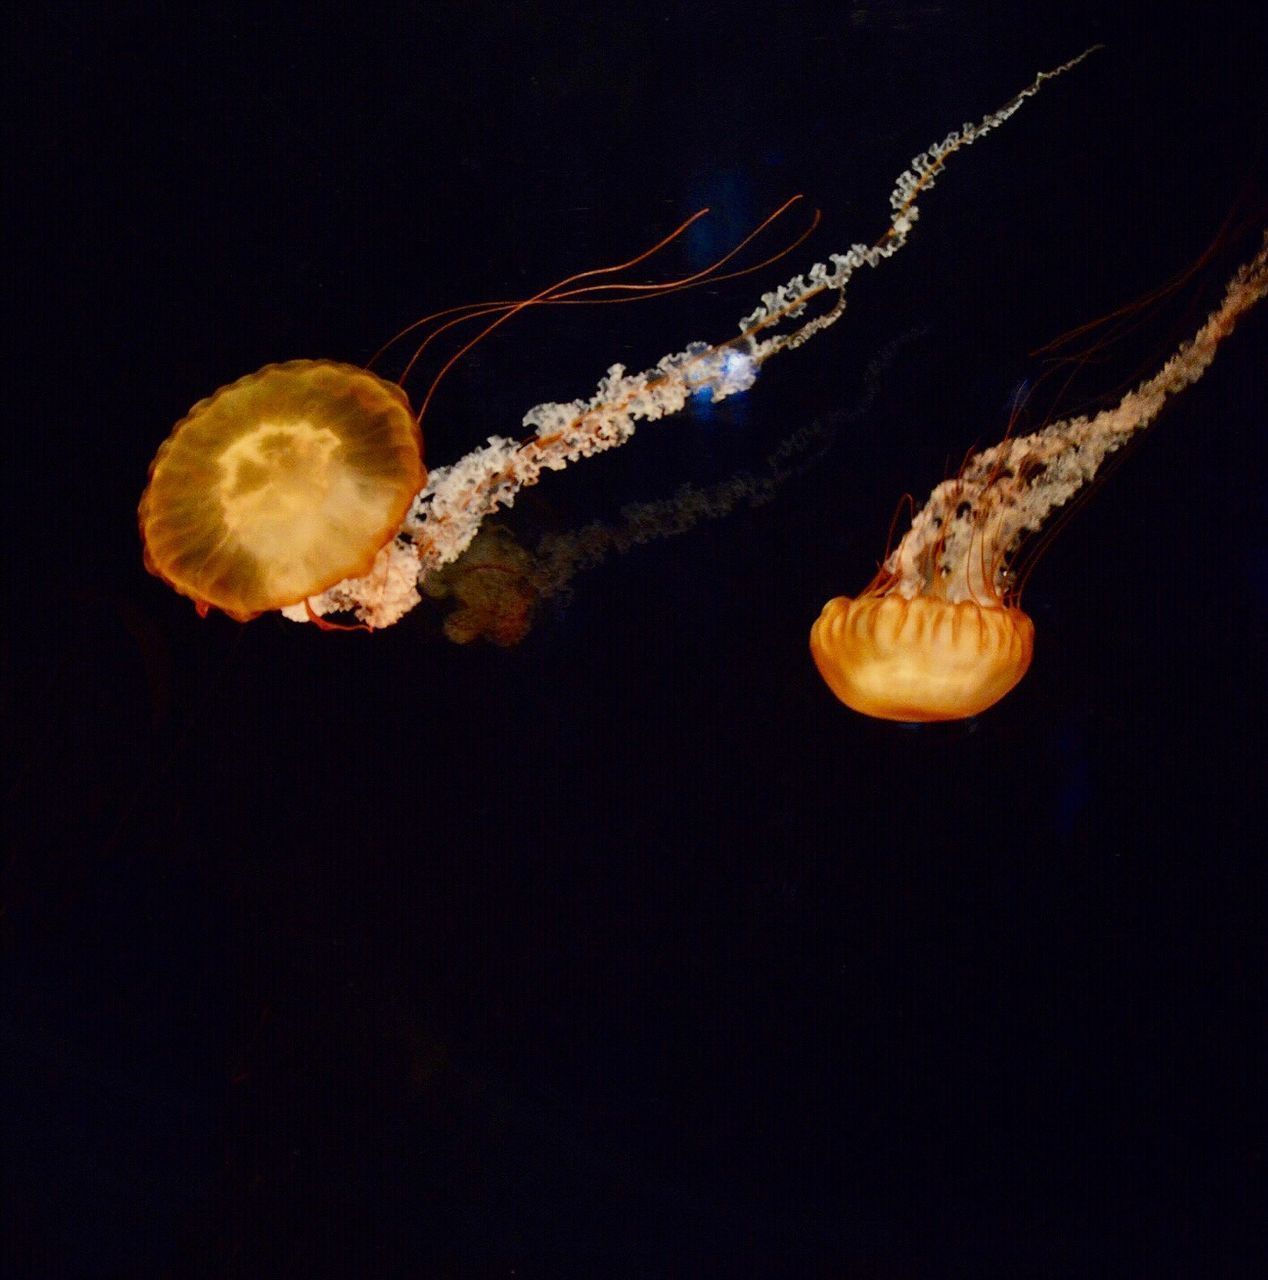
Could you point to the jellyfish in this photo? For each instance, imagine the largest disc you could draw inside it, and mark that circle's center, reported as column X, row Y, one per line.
column 939, row 633
column 297, row 476
column 280, row 484
column 272, row 495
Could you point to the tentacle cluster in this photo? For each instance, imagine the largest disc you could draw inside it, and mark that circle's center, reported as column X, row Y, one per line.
column 960, row 542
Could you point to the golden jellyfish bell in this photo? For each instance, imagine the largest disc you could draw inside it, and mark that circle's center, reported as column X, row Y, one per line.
column 280, row 485
column 922, row 659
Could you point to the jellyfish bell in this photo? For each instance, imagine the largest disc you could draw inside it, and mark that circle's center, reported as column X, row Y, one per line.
column 942, row 636
column 920, row 659
column 280, row 485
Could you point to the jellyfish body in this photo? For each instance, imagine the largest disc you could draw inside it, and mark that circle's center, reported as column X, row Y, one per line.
column 280, row 485
column 921, row 659
column 939, row 635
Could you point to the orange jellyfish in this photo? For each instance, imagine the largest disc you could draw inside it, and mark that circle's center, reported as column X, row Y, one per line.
column 938, row 634
column 280, row 485
column 299, row 476
column 301, row 487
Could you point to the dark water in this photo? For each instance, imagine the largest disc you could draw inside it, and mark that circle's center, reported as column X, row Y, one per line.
column 628, row 951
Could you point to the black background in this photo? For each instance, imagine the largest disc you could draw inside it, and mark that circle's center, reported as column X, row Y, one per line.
column 628, row 951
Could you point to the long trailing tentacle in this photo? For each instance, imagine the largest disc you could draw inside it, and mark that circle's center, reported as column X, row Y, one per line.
column 448, row 511
column 1009, row 491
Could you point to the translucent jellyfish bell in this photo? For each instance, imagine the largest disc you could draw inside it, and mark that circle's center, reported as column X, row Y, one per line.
column 921, row 659
column 280, row 485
